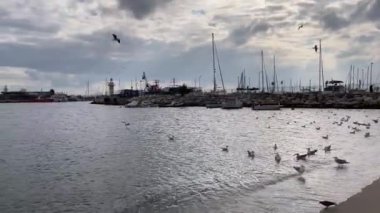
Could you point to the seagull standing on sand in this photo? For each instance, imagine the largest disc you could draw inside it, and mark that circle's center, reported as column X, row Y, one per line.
column 171, row 137
column 275, row 147
column 327, row 203
column 277, row 158
column 325, row 137
column 115, row 38
column 300, row 26
column 225, row 149
column 366, row 134
column 327, row 148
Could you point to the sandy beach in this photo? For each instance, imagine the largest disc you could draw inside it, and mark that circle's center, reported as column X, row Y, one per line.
column 366, row 201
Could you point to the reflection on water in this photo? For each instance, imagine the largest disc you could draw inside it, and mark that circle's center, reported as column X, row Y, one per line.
column 81, row 158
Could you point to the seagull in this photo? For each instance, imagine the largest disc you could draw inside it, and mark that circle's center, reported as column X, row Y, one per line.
column 225, row 149
column 300, row 169
column 316, row 50
column 375, row 121
column 171, row 137
column 115, row 38
column 309, row 152
column 275, row 147
column 327, row 203
column 277, row 158
column 251, row 154
column 125, row 123
column 301, row 157
column 303, row 126
column 325, row 137
column 366, row 134
column 327, row 148
column 318, row 128
column 340, row 161
column 353, row 132
column 300, row 26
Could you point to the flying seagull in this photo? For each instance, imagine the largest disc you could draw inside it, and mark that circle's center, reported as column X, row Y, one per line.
column 327, row 203
column 300, row 26
column 115, row 38
column 315, row 48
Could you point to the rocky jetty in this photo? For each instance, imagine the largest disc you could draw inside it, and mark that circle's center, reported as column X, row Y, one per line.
column 293, row 100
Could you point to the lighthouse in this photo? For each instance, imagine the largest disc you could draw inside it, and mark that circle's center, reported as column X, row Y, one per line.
column 111, row 86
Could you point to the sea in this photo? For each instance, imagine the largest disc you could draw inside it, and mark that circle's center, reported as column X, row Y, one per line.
column 79, row 157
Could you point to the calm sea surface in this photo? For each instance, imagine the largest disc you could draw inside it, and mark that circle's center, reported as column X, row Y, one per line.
column 77, row 157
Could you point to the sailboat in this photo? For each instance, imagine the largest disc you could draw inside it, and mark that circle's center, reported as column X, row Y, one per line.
column 267, row 106
column 232, row 104
column 215, row 53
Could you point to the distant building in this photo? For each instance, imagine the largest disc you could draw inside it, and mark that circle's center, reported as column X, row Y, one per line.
column 111, row 86
column 25, row 96
column 128, row 93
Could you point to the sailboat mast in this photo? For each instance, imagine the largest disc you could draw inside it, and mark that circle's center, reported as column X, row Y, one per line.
column 349, row 78
column 213, row 60
column 370, row 77
column 274, row 73
column 320, row 67
column 367, row 78
column 262, row 71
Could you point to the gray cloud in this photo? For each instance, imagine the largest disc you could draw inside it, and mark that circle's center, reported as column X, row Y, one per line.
column 47, row 43
column 337, row 18
column 365, row 39
column 242, row 34
column 141, row 8
column 95, row 53
column 331, row 21
column 374, row 11
column 198, row 12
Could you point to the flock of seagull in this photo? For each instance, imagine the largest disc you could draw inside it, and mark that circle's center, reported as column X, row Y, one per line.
column 303, row 157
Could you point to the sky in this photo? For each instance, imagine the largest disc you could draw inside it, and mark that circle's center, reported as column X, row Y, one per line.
column 63, row 44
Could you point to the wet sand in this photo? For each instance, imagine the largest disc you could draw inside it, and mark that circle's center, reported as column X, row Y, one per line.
column 368, row 201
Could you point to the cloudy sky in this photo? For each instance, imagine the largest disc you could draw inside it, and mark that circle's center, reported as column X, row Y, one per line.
column 63, row 44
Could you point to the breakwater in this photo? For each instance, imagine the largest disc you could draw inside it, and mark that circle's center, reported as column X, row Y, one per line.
column 296, row 100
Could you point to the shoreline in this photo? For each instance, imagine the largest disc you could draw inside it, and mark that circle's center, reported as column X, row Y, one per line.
column 367, row 200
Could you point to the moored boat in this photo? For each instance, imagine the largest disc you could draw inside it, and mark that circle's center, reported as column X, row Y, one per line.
column 267, row 107
column 236, row 104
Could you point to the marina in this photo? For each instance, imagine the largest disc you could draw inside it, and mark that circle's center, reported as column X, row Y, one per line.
column 142, row 106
